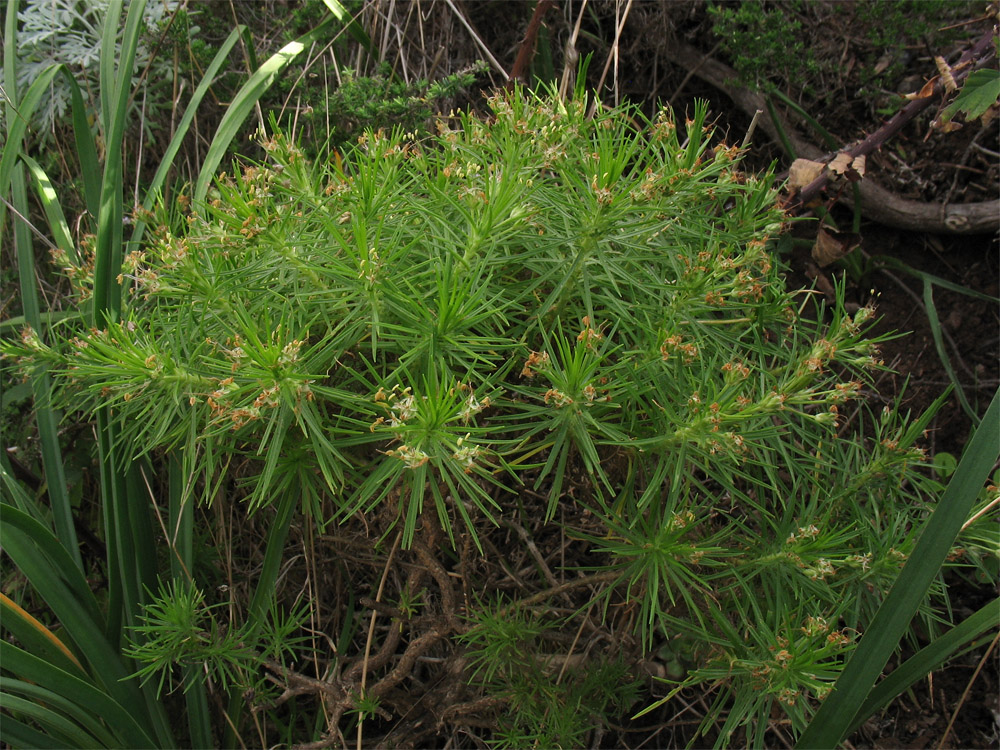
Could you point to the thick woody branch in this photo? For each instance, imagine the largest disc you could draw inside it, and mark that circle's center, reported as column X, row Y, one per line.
column 877, row 203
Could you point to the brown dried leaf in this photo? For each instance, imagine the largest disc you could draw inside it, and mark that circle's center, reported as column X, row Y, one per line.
column 946, row 126
column 989, row 114
column 946, row 77
column 927, row 90
column 843, row 164
column 831, row 246
column 883, row 63
column 804, row 171
column 840, row 163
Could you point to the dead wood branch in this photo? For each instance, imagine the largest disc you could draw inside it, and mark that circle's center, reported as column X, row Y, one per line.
column 877, row 203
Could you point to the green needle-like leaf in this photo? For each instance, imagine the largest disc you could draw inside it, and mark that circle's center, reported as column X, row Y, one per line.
column 837, row 712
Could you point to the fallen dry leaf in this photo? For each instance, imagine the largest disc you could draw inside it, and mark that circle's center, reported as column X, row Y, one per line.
column 804, row 171
column 831, row 246
column 987, row 117
column 946, row 126
column 927, row 90
column 840, row 163
column 858, row 165
column 843, row 164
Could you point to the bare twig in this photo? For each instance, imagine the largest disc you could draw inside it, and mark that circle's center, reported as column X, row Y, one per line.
column 976, row 55
column 612, row 58
column 479, row 42
column 572, row 56
column 371, row 626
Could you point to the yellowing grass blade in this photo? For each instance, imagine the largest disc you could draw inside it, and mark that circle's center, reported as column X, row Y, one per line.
column 36, row 637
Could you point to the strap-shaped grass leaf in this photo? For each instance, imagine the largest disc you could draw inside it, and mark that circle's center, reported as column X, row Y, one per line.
column 244, row 101
column 353, row 28
column 167, row 162
column 124, row 721
column 18, row 734
column 116, row 86
column 42, row 559
column 836, row 714
column 56, row 725
column 89, row 732
column 12, row 177
column 58, row 225
column 37, row 638
column 926, row 660
column 18, row 112
column 935, row 325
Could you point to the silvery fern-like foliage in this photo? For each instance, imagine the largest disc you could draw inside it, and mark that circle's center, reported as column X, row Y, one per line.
column 69, row 32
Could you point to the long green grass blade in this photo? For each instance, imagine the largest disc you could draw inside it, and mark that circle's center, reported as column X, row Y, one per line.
column 115, row 91
column 40, row 557
column 355, row 29
column 18, row 112
column 244, row 101
column 935, row 326
column 48, row 423
column 128, row 539
column 89, row 720
column 828, row 139
column 936, row 280
column 927, row 659
column 57, row 726
column 17, row 734
column 14, row 494
column 264, row 591
column 42, row 560
column 37, row 638
column 58, row 227
column 198, row 715
column 46, row 318
column 82, row 692
column 166, row 164
column 86, row 148
column 837, row 712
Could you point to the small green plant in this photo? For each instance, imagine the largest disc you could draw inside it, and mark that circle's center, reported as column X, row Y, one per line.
column 547, row 701
column 382, row 101
column 180, row 632
column 417, row 341
column 765, row 40
column 773, row 44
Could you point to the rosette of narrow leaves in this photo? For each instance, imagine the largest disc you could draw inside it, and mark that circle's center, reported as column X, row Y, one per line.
column 436, row 447
column 569, row 408
column 179, row 629
column 788, row 660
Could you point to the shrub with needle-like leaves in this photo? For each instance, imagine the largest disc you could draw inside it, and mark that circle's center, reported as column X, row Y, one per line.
column 584, row 307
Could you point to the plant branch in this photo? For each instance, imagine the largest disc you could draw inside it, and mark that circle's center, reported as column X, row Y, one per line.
column 877, row 203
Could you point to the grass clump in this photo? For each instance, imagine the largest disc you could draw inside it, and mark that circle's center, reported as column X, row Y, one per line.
column 541, row 315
